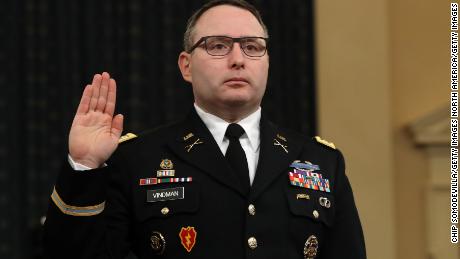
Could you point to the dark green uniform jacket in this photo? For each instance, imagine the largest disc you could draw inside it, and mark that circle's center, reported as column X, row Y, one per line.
column 191, row 205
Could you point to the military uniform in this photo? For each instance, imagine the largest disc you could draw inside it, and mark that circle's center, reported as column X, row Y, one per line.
column 170, row 193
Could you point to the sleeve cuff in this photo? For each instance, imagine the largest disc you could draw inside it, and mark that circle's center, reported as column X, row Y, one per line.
column 79, row 167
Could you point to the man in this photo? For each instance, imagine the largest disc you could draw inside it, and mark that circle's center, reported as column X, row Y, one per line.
column 223, row 183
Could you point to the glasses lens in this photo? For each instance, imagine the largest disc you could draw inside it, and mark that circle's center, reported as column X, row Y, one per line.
column 254, row 47
column 219, row 46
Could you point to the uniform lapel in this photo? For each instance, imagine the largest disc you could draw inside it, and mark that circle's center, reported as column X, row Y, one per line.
column 196, row 145
column 277, row 151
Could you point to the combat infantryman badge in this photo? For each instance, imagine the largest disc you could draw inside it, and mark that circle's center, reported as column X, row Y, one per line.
column 188, row 237
column 310, row 249
column 157, row 242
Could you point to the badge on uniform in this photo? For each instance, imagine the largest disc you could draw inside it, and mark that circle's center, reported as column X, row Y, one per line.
column 310, row 249
column 188, row 237
column 281, row 143
column 304, row 175
column 157, row 242
column 167, row 170
column 166, row 166
column 308, row 166
column 189, row 145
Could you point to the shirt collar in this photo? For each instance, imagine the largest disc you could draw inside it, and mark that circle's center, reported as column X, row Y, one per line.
column 218, row 126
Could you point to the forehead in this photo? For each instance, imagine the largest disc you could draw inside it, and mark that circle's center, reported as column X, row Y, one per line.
column 229, row 21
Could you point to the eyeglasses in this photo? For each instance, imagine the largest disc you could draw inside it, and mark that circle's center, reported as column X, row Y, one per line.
column 222, row 45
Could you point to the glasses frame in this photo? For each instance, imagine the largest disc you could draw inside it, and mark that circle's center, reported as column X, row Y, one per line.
column 203, row 39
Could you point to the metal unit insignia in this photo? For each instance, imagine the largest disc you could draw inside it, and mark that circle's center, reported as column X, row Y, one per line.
column 324, row 142
column 126, row 137
column 157, row 242
column 310, row 249
column 165, row 194
column 325, row 202
column 188, row 237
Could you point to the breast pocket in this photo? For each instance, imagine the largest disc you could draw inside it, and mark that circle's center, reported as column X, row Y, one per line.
column 314, row 206
column 168, row 201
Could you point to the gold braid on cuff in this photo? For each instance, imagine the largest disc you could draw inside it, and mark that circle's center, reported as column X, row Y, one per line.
column 75, row 210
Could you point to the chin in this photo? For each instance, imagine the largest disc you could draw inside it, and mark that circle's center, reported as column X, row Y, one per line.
column 236, row 102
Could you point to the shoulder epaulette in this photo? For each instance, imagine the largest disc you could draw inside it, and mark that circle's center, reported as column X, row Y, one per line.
column 324, row 142
column 126, row 137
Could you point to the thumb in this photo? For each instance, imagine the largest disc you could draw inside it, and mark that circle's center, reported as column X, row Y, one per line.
column 117, row 125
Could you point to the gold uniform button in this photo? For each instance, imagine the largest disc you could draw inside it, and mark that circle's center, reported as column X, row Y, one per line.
column 252, row 242
column 252, row 210
column 315, row 214
column 165, row 211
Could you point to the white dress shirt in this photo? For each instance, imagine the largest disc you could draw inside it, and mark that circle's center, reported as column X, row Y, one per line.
column 250, row 140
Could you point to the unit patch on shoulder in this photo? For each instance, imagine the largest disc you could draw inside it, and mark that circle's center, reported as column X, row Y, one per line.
column 324, row 142
column 126, row 137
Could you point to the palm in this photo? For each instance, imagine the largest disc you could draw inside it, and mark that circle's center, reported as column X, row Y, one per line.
column 95, row 131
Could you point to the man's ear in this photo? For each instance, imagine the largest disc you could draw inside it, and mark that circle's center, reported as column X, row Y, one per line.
column 185, row 66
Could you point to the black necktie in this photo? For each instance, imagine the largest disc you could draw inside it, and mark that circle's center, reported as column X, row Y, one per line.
column 235, row 154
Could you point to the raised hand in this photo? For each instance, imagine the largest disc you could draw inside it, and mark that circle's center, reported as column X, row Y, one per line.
column 95, row 131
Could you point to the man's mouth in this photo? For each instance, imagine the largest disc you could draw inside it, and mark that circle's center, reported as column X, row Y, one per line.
column 236, row 81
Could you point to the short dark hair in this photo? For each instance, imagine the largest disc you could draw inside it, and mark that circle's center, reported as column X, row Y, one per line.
column 194, row 18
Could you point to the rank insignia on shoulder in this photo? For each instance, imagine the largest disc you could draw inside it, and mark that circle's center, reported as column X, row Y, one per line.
column 309, row 180
column 188, row 237
column 324, row 142
column 310, row 249
column 126, row 137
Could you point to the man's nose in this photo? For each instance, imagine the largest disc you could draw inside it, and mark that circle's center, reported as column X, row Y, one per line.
column 236, row 56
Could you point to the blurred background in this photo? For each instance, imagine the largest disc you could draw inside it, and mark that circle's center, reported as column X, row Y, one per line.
column 370, row 76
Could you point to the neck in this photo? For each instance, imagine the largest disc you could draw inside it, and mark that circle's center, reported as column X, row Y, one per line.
column 230, row 114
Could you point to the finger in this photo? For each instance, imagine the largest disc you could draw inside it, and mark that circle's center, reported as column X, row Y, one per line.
column 96, row 85
column 117, row 125
column 111, row 98
column 84, row 101
column 102, row 100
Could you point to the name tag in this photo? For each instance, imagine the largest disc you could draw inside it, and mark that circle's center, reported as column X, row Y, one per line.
column 165, row 194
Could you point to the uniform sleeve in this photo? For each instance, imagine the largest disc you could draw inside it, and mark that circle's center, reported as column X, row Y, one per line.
column 88, row 215
column 346, row 239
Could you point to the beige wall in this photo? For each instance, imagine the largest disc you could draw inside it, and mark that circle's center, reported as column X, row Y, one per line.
column 381, row 65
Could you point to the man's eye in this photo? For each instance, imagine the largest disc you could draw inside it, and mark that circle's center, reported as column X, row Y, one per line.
column 253, row 47
column 217, row 46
